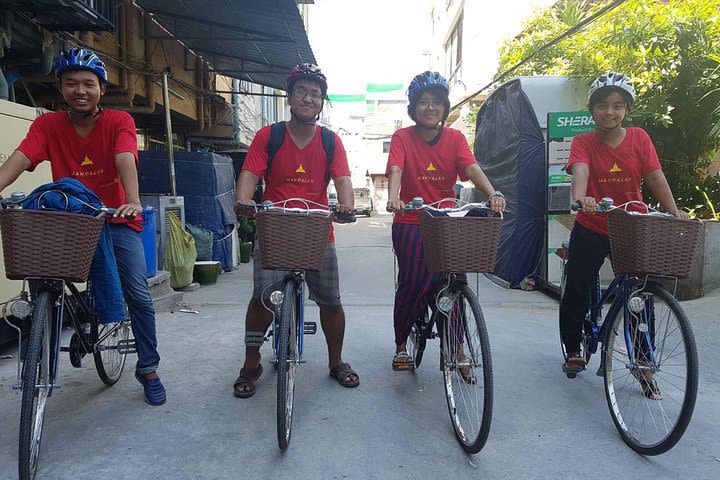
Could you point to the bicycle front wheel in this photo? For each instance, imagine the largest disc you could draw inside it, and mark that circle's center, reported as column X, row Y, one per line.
column 651, row 371
column 467, row 370
column 35, row 386
column 287, row 356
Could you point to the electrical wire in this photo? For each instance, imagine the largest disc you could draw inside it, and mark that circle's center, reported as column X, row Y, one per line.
column 569, row 32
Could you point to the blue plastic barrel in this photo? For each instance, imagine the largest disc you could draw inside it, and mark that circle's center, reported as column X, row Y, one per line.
column 148, row 240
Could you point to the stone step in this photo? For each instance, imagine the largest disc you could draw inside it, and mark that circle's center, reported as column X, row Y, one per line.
column 160, row 284
column 167, row 301
column 164, row 297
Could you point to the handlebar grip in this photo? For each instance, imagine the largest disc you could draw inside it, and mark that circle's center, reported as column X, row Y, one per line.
column 349, row 218
column 576, row 206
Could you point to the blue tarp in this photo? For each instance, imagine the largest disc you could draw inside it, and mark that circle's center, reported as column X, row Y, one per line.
column 196, row 173
column 510, row 148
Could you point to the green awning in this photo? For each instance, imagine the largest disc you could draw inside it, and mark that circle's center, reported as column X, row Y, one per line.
column 383, row 87
column 346, row 98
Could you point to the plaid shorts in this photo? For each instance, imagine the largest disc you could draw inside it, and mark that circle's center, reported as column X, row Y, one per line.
column 324, row 285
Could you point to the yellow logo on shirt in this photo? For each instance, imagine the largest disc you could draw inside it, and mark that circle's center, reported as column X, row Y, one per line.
column 431, row 168
column 86, row 161
column 615, row 168
column 300, row 169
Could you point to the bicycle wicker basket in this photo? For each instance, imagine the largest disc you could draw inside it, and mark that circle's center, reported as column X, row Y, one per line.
column 49, row 244
column 653, row 245
column 292, row 241
column 460, row 244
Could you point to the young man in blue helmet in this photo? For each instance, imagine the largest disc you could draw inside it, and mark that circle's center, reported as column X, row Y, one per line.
column 98, row 147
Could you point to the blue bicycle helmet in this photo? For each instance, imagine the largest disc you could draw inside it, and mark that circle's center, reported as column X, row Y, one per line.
column 81, row 59
column 425, row 80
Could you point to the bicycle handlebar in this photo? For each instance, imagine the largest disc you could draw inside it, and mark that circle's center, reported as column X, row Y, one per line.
column 268, row 206
column 418, row 204
column 16, row 199
column 606, row 205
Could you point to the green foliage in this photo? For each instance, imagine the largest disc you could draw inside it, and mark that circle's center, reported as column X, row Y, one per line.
column 671, row 51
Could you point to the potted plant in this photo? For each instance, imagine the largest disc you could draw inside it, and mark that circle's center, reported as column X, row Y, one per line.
column 246, row 233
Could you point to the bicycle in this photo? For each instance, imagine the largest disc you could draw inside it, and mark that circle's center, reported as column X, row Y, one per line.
column 465, row 358
column 303, row 251
column 48, row 298
column 648, row 358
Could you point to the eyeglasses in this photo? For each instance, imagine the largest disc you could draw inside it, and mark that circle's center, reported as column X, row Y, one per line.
column 301, row 93
column 424, row 104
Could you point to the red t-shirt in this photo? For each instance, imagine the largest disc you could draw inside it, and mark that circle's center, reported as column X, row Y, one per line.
column 296, row 172
column 614, row 172
column 428, row 171
column 91, row 159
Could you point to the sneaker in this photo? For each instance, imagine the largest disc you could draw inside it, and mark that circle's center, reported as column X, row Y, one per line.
column 153, row 389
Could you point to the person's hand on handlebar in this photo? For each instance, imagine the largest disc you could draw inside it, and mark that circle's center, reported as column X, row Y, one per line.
column 681, row 214
column 395, row 205
column 343, row 209
column 242, row 209
column 497, row 203
column 587, row 204
column 129, row 210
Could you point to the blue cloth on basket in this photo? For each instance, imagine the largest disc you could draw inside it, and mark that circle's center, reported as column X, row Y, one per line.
column 70, row 196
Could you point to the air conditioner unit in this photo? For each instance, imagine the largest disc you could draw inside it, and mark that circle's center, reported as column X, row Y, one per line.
column 165, row 205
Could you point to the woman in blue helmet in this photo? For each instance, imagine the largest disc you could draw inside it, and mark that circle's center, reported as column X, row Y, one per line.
column 99, row 148
column 425, row 160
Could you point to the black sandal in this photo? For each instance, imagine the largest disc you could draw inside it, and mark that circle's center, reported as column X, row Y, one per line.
column 244, row 386
column 342, row 372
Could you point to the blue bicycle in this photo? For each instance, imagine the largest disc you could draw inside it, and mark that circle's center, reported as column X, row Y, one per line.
column 648, row 358
column 295, row 254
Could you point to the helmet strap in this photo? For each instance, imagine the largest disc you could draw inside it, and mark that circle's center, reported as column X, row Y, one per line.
column 83, row 116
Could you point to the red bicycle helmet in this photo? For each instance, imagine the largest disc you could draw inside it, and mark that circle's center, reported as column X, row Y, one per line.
column 310, row 72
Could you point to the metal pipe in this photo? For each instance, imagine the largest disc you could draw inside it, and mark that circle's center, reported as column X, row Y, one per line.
column 168, row 130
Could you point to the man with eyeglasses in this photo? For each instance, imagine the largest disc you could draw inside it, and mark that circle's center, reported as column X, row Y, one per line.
column 301, row 168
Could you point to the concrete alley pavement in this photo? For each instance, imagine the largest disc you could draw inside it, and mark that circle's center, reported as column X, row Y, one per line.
column 395, row 425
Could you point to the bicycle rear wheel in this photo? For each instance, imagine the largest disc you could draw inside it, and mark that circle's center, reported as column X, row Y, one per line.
column 416, row 343
column 109, row 363
column 287, row 363
column 651, row 392
column 467, row 370
column 35, row 386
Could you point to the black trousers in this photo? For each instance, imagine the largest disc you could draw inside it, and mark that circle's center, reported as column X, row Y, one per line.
column 588, row 250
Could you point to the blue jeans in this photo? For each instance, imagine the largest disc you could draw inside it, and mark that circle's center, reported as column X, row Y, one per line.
column 130, row 256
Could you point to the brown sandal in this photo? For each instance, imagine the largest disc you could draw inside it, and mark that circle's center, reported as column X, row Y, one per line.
column 244, row 386
column 343, row 372
column 574, row 364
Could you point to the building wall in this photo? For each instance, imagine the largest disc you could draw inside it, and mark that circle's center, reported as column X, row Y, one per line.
column 484, row 26
column 15, row 122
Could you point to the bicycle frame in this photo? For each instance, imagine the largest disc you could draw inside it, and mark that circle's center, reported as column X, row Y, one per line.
column 621, row 289
column 298, row 278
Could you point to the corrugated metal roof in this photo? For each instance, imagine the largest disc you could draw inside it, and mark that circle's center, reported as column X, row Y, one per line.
column 254, row 40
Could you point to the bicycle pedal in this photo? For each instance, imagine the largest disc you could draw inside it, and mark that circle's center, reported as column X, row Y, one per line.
column 309, row 328
column 75, row 350
column 125, row 347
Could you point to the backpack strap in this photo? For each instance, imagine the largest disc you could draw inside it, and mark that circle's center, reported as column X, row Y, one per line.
column 328, row 142
column 277, row 136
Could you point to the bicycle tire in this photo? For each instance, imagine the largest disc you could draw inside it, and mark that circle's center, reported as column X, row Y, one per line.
column 287, row 363
column 416, row 345
column 36, row 371
column 471, row 433
column 108, row 362
column 627, row 386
